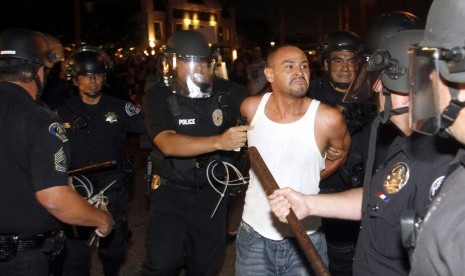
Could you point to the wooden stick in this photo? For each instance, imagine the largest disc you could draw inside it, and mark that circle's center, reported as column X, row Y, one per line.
column 98, row 166
column 269, row 185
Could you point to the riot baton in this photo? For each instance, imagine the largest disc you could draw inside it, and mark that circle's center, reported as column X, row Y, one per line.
column 269, row 185
column 89, row 168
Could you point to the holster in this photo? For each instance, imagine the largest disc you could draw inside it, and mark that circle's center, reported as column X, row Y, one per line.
column 54, row 244
column 8, row 247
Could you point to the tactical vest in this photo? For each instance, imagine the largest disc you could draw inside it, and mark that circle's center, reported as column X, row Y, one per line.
column 197, row 117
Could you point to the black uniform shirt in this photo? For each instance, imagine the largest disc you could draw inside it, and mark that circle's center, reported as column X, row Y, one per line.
column 417, row 165
column 439, row 249
column 196, row 117
column 34, row 156
column 97, row 132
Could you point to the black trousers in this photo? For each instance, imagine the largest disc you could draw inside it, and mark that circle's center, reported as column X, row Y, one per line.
column 180, row 231
column 26, row 263
column 112, row 249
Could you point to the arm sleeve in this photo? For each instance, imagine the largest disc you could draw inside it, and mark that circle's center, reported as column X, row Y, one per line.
column 157, row 115
column 49, row 156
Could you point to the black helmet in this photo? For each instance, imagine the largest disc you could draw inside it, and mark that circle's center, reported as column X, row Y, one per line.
column 88, row 59
column 193, row 77
column 339, row 41
column 392, row 59
column 388, row 24
column 189, row 44
column 379, row 31
column 27, row 45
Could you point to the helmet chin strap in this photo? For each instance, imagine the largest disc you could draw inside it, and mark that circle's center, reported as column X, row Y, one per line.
column 451, row 112
column 94, row 95
column 388, row 111
column 340, row 85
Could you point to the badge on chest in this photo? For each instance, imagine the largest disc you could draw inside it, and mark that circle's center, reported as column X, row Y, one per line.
column 397, row 178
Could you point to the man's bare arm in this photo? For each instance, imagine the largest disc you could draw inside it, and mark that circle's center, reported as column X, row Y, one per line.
column 332, row 134
column 344, row 205
column 171, row 143
column 67, row 206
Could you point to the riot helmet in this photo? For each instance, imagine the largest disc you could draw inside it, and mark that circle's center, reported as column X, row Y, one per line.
column 341, row 67
column 88, row 60
column 88, row 63
column 392, row 61
column 379, row 31
column 188, row 65
column 21, row 48
column 440, row 54
column 339, row 41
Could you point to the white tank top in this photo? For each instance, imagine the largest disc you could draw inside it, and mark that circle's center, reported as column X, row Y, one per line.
column 292, row 155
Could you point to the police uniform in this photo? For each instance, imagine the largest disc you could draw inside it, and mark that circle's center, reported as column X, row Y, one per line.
column 439, row 248
column 183, row 201
column 34, row 156
column 341, row 235
column 409, row 178
column 97, row 134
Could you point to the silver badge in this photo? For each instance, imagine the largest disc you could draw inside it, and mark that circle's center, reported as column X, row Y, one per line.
column 57, row 130
column 60, row 161
column 217, row 117
column 397, row 178
column 436, row 186
column 132, row 109
column 111, row 117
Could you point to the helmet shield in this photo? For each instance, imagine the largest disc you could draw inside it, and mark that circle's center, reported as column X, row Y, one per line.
column 425, row 111
column 361, row 88
column 188, row 65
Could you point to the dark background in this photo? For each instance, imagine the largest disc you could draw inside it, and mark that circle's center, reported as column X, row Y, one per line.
column 112, row 23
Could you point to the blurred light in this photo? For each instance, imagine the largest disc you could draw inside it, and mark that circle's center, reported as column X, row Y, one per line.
column 272, row 43
column 234, row 54
column 152, row 43
column 312, row 52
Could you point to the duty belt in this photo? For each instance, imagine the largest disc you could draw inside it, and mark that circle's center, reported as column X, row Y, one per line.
column 26, row 242
column 11, row 244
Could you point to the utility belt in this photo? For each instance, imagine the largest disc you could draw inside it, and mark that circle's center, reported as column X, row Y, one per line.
column 50, row 242
column 157, row 181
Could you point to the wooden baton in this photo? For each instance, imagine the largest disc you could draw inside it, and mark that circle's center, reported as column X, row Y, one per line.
column 94, row 167
column 269, row 185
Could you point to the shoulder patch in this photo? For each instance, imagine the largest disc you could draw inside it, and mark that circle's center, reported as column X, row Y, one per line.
column 60, row 160
column 132, row 109
column 435, row 187
column 57, row 130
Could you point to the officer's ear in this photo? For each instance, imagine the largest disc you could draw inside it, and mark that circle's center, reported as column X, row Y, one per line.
column 269, row 74
column 325, row 65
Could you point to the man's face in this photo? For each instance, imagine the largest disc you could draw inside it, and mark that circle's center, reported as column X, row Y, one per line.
column 289, row 72
column 342, row 67
column 90, row 84
column 200, row 72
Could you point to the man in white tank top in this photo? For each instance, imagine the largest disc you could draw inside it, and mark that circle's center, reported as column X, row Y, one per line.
column 293, row 134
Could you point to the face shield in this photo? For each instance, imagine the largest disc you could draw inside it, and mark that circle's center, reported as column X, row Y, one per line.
column 425, row 105
column 188, row 76
column 361, row 88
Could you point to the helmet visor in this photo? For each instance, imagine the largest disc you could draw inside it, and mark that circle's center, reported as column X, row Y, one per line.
column 189, row 77
column 361, row 88
column 424, row 111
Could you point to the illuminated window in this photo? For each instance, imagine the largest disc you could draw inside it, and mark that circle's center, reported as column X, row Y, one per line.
column 157, row 30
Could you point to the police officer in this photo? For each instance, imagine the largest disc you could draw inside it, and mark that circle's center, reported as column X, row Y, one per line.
column 408, row 178
column 191, row 119
column 438, row 106
column 97, row 125
column 34, row 191
column 338, row 55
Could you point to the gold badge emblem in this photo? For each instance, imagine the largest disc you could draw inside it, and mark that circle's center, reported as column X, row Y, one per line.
column 155, row 182
column 397, row 178
column 217, row 117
